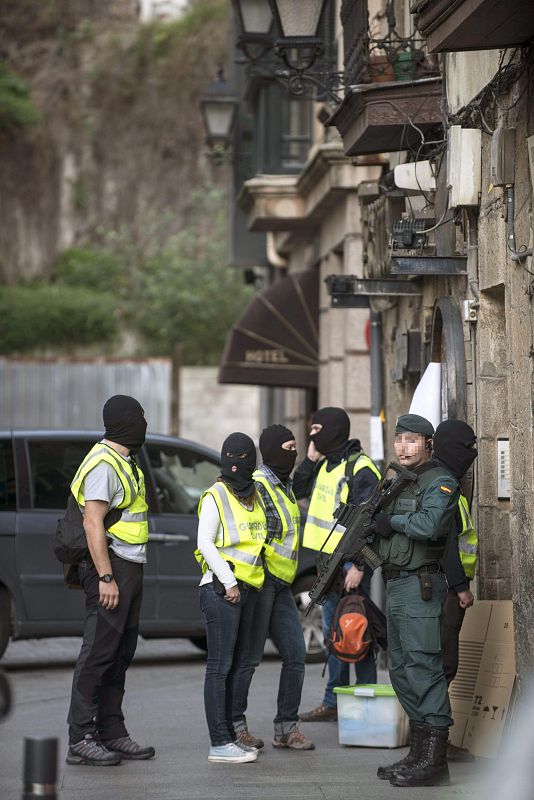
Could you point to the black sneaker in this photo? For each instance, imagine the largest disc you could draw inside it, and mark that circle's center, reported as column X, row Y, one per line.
column 91, row 752
column 125, row 747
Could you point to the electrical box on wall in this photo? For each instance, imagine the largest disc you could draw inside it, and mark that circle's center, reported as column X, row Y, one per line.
column 464, row 166
column 503, row 469
column 418, row 176
column 407, row 354
column 502, row 165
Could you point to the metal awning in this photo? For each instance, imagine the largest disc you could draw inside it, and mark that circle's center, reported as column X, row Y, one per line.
column 276, row 341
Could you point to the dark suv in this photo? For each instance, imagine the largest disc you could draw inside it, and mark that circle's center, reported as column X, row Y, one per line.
column 36, row 468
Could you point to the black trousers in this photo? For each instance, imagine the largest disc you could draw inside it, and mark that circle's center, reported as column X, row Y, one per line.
column 451, row 624
column 108, row 647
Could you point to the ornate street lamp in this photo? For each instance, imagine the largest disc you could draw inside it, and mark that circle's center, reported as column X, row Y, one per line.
column 219, row 104
column 290, row 27
column 254, row 22
column 298, row 24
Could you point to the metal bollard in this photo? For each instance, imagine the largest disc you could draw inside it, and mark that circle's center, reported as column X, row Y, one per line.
column 5, row 695
column 40, row 769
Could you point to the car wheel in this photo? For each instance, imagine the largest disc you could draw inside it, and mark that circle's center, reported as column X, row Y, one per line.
column 312, row 624
column 5, row 619
column 201, row 642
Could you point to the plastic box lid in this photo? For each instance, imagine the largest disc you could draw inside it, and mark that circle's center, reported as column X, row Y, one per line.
column 367, row 690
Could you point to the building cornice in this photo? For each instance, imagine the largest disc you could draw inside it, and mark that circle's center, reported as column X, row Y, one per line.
column 293, row 202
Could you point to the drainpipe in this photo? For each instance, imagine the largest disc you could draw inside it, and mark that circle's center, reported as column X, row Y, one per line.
column 273, row 256
column 472, row 273
column 376, row 429
column 272, row 399
column 377, row 392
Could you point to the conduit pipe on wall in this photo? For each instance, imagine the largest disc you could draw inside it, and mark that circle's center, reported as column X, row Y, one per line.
column 377, row 391
column 273, row 256
column 472, row 272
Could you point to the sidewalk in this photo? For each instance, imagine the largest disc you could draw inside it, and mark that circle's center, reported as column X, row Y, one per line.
column 164, row 707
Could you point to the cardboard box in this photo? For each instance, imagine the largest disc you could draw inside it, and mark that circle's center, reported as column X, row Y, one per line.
column 482, row 693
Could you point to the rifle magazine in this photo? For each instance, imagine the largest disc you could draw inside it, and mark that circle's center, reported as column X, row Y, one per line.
column 370, row 557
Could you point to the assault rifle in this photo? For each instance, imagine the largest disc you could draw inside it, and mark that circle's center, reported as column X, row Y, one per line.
column 358, row 521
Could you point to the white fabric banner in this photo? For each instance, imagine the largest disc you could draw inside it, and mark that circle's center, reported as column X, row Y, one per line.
column 426, row 399
column 376, row 439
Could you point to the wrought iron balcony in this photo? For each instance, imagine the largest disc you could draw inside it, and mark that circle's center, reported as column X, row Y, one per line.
column 392, row 87
column 370, row 57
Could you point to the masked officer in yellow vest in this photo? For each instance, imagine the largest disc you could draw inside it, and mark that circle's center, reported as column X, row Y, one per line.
column 460, row 566
column 335, row 470
column 231, row 534
column 411, row 538
column 274, row 611
column 112, row 578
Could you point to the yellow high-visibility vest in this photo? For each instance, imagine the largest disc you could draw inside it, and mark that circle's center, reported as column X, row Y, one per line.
column 281, row 555
column 330, row 489
column 467, row 540
column 242, row 537
column 133, row 524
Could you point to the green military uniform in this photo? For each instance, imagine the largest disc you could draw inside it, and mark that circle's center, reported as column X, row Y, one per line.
column 422, row 516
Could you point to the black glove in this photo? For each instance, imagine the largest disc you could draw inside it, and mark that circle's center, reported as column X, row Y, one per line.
column 382, row 524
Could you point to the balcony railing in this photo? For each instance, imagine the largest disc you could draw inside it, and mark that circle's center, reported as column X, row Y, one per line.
column 355, row 22
column 374, row 57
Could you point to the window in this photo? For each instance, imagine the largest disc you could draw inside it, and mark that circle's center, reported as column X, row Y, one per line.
column 7, row 477
column 53, row 465
column 283, row 130
column 296, row 132
column 181, row 476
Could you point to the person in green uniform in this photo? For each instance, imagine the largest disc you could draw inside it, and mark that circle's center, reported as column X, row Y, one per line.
column 410, row 537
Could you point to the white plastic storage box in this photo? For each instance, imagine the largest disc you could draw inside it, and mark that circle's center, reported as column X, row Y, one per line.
column 371, row 716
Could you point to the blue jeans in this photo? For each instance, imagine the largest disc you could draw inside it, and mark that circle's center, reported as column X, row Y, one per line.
column 273, row 611
column 339, row 671
column 225, row 647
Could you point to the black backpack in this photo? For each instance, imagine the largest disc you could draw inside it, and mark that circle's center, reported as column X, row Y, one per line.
column 377, row 621
column 70, row 542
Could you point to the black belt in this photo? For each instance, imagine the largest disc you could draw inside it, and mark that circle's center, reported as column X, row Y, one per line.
column 389, row 574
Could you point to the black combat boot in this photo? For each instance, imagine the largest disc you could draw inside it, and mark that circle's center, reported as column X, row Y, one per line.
column 431, row 768
column 417, row 731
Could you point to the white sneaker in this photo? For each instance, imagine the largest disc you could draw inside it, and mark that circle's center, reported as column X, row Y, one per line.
column 230, row 754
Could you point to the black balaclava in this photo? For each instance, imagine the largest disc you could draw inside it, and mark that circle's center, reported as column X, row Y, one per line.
column 238, row 462
column 125, row 422
column 280, row 461
column 334, row 435
column 453, row 445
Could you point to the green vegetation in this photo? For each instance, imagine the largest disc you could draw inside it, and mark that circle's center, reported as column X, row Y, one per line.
column 41, row 315
column 120, row 100
column 186, row 292
column 166, row 288
column 164, row 38
column 16, row 107
column 86, row 267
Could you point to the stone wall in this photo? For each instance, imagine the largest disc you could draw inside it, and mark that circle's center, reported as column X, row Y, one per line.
column 119, row 148
column 209, row 411
column 499, row 348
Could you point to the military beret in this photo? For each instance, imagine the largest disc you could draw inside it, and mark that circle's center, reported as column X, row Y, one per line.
column 413, row 423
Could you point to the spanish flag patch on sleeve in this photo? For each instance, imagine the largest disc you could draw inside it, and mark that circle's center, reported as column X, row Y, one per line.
column 446, row 489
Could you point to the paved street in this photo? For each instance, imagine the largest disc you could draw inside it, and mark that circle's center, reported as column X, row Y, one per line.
column 164, row 707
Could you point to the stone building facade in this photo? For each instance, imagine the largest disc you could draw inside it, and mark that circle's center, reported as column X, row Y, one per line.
column 452, row 261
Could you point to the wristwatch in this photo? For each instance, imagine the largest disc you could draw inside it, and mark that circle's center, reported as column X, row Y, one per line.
column 106, row 578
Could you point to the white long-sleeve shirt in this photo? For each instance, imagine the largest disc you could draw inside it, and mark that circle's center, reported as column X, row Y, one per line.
column 209, row 527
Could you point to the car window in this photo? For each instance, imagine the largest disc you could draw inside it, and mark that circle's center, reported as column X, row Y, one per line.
column 53, row 465
column 7, row 477
column 181, row 475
